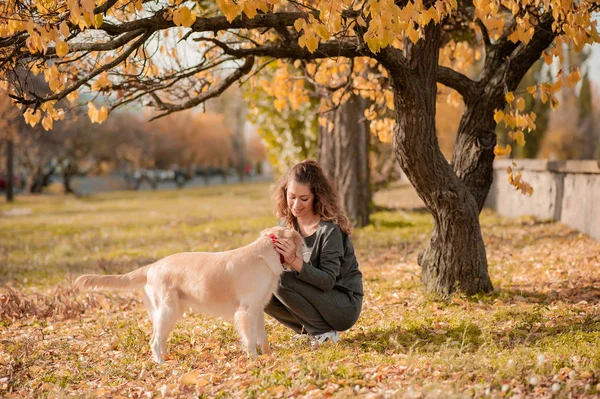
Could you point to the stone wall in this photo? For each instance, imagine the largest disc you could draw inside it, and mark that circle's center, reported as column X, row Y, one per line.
column 565, row 191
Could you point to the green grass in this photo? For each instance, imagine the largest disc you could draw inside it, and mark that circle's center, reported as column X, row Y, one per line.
column 537, row 334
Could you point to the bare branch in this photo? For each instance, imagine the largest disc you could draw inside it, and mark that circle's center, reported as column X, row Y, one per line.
column 484, row 32
column 228, row 81
column 293, row 50
column 456, row 80
column 171, row 79
column 59, row 96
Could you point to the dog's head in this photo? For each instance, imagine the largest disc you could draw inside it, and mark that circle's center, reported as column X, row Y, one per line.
column 284, row 233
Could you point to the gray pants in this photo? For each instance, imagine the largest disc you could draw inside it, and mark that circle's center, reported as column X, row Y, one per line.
column 306, row 309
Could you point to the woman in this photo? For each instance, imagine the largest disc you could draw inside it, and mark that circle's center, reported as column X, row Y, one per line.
column 322, row 294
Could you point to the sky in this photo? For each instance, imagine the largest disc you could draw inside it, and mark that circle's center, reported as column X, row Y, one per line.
column 594, row 64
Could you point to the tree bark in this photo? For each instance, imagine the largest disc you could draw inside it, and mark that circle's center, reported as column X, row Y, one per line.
column 473, row 157
column 10, row 162
column 343, row 153
column 40, row 179
column 68, row 171
column 456, row 258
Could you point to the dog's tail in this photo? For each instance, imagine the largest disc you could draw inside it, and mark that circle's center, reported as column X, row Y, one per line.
column 134, row 279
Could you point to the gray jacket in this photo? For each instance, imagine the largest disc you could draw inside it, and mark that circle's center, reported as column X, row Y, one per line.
column 332, row 263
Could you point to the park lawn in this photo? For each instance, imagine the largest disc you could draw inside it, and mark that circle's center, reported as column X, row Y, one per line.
column 536, row 335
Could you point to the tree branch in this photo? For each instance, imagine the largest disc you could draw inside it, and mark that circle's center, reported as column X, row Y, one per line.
column 526, row 55
column 293, row 50
column 456, row 80
column 228, row 81
column 59, row 96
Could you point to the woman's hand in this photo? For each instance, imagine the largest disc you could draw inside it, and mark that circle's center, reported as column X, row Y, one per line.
column 288, row 250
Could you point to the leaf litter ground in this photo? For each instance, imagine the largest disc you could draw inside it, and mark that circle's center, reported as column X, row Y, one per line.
column 536, row 335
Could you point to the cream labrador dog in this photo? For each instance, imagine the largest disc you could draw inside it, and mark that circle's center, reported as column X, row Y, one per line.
column 234, row 284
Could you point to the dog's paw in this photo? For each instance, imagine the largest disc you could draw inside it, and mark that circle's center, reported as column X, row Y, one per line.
column 265, row 348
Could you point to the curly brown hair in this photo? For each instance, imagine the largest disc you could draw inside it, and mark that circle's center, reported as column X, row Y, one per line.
column 326, row 203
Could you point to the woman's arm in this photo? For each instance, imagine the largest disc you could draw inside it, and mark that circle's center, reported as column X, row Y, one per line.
column 331, row 253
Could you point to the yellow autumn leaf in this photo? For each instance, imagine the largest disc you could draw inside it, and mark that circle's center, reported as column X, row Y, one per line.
column 98, row 20
column 412, row 34
column 277, row 390
column 190, row 378
column 92, row 111
column 299, row 24
column 62, row 48
column 32, row 118
column 514, row 37
column 47, row 122
column 97, row 115
column 312, row 42
column 250, row 10
column 500, row 151
column 498, row 115
column 229, row 8
column 510, row 97
column 64, row 29
column 102, row 114
column 509, row 120
column 279, row 104
column 572, row 79
column 72, row 96
column 184, row 17
column 88, row 5
column 520, row 104
column 556, row 86
column 519, row 137
column 102, row 82
column 322, row 32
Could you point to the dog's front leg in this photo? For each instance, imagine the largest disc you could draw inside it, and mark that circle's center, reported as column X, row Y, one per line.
column 262, row 341
column 245, row 324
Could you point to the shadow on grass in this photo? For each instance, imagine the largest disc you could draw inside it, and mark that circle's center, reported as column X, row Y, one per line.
column 529, row 329
column 573, row 295
column 467, row 336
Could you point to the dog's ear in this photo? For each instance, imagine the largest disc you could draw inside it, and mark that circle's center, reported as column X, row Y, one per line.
column 268, row 231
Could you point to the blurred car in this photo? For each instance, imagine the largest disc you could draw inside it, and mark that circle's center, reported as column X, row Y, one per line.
column 18, row 182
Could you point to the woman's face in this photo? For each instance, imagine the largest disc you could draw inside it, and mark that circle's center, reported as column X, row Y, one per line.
column 300, row 199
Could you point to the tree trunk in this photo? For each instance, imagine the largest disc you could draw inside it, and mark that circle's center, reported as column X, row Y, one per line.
column 456, row 258
column 473, row 157
column 68, row 172
column 10, row 175
column 40, row 179
column 343, row 152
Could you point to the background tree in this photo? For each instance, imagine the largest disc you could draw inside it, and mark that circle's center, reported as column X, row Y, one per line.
column 113, row 46
column 233, row 108
column 344, row 156
column 8, row 135
column 291, row 128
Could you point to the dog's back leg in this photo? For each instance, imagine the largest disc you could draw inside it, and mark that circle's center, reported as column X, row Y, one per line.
column 246, row 324
column 149, row 308
column 261, row 332
column 166, row 314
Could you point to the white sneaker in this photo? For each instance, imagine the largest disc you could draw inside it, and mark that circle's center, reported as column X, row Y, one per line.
column 318, row 340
